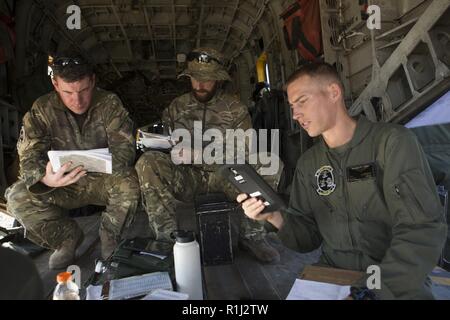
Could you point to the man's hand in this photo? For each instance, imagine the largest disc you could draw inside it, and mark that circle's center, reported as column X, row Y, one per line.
column 253, row 207
column 61, row 178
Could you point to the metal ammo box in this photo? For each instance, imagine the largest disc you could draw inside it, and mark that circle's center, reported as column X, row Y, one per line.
column 213, row 216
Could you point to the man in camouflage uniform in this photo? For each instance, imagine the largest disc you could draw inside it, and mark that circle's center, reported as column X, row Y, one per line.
column 164, row 184
column 77, row 116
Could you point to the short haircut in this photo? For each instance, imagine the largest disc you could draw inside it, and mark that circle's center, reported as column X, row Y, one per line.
column 316, row 70
column 72, row 72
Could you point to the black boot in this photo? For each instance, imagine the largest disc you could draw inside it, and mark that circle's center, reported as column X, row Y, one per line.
column 65, row 254
column 108, row 243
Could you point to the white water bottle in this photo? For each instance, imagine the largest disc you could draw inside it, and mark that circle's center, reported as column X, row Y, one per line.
column 188, row 273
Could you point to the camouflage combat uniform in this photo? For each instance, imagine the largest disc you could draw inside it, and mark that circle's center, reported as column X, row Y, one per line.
column 49, row 125
column 164, row 184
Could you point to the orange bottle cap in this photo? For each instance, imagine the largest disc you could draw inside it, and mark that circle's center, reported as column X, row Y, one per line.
column 63, row 276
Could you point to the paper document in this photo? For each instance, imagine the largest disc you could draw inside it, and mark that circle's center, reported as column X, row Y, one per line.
column 132, row 287
column 94, row 160
column 313, row 290
column 6, row 221
column 154, row 140
column 161, row 294
column 94, row 292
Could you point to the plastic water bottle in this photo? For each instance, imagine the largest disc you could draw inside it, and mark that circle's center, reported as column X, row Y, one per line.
column 188, row 273
column 66, row 289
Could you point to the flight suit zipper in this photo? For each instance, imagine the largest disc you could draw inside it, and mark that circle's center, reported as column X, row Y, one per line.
column 344, row 187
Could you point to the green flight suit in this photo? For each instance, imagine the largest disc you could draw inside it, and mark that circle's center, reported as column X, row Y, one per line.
column 370, row 202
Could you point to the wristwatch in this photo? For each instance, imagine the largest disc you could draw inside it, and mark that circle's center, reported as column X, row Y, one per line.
column 358, row 293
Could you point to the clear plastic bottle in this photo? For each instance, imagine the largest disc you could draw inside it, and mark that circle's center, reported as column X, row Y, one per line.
column 66, row 289
column 188, row 273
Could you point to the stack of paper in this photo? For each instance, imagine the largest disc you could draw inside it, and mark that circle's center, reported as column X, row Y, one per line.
column 6, row 221
column 154, row 141
column 94, row 160
column 131, row 287
column 136, row 286
column 313, row 290
column 161, row 294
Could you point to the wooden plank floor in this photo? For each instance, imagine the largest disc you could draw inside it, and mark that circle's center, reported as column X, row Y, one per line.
column 245, row 279
column 248, row 279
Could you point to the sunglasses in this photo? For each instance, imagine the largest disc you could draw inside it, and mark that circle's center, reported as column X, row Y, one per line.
column 64, row 62
column 202, row 57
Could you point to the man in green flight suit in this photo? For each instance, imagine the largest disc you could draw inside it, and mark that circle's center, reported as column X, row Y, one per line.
column 164, row 184
column 76, row 116
column 364, row 192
